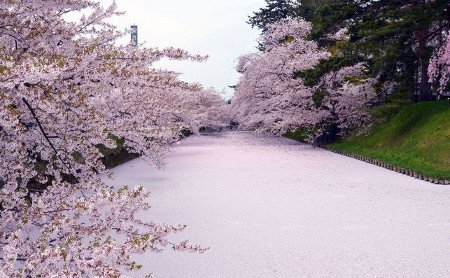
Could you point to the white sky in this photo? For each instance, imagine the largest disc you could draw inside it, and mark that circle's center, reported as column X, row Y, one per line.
column 216, row 28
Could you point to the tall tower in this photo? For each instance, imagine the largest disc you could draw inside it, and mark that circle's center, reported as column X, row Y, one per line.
column 134, row 35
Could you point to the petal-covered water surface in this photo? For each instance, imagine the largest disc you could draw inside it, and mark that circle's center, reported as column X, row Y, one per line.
column 272, row 207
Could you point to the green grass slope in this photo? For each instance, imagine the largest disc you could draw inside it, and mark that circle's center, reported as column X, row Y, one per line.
column 416, row 138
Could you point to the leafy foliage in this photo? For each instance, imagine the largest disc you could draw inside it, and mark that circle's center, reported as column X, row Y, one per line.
column 274, row 11
column 395, row 38
column 312, row 76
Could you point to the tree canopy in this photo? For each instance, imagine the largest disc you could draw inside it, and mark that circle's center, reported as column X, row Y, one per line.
column 376, row 51
column 396, row 38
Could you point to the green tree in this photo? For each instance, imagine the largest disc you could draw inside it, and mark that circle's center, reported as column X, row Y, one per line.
column 395, row 37
column 274, row 11
column 399, row 38
column 280, row 9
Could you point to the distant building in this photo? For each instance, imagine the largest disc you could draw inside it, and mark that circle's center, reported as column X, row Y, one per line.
column 134, row 35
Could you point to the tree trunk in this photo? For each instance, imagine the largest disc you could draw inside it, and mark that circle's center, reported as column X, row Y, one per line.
column 425, row 93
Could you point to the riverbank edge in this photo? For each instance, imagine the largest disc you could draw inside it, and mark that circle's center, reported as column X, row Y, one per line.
column 396, row 169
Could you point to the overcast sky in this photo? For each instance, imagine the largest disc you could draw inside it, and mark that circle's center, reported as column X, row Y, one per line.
column 216, row 28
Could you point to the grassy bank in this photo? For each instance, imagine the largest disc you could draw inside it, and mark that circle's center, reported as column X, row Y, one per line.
column 415, row 138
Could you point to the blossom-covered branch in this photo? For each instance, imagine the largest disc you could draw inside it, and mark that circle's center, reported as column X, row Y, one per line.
column 66, row 87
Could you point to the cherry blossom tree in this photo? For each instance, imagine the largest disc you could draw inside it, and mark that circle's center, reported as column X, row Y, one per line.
column 267, row 96
column 211, row 112
column 344, row 96
column 270, row 98
column 66, row 87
